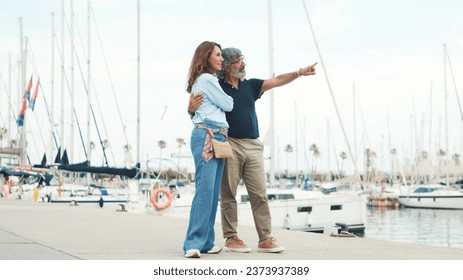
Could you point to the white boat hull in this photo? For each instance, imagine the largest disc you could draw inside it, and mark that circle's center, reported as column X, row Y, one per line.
column 432, row 196
column 432, row 201
column 308, row 211
column 313, row 214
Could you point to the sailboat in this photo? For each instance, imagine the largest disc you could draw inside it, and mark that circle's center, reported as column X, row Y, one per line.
column 436, row 196
column 90, row 191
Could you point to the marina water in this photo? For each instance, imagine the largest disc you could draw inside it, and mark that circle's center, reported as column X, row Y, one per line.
column 434, row 227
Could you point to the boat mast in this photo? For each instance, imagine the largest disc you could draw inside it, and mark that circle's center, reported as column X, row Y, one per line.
column 355, row 119
column 11, row 102
column 89, row 82
column 52, row 85
column 23, row 65
column 354, row 160
column 62, row 79
column 296, row 148
column 430, row 122
column 138, row 81
column 71, row 112
column 89, row 148
column 446, row 118
column 271, row 74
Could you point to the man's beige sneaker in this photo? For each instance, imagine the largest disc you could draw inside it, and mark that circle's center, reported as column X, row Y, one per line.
column 269, row 245
column 235, row 244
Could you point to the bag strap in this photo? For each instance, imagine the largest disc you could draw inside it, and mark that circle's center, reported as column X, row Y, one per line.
column 209, row 131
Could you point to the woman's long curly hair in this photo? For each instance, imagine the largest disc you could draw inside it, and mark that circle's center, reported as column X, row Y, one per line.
column 199, row 63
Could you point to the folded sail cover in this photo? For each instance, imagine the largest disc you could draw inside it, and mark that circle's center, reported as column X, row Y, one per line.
column 85, row 167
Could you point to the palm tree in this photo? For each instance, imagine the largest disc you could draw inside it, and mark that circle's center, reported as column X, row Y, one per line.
column 105, row 143
column 127, row 148
column 288, row 149
column 442, row 154
column 343, row 156
column 315, row 153
column 162, row 145
column 393, row 153
column 456, row 159
column 424, row 155
column 3, row 133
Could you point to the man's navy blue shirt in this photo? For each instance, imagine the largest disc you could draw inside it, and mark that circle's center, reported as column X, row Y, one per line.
column 243, row 118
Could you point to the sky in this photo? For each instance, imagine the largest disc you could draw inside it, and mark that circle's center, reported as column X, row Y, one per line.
column 381, row 84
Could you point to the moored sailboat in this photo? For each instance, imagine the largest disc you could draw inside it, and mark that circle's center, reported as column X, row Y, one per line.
column 433, row 196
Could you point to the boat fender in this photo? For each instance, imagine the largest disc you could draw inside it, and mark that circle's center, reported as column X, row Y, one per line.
column 155, row 201
column 287, row 222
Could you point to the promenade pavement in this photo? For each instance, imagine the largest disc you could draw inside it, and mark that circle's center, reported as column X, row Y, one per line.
column 42, row 231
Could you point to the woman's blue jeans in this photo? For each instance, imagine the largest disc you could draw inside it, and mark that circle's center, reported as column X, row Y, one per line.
column 208, row 178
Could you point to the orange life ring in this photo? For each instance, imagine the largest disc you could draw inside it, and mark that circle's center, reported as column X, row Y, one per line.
column 154, row 198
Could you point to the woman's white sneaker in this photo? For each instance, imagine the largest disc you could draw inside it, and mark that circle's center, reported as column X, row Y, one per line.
column 193, row 253
column 215, row 250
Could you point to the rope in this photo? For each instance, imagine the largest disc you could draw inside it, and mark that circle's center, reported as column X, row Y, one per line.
column 454, row 84
column 331, row 93
column 91, row 109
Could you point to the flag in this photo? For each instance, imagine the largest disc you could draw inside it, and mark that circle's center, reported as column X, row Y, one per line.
column 22, row 113
column 27, row 94
column 34, row 96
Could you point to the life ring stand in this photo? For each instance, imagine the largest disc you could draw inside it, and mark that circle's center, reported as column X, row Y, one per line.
column 157, row 204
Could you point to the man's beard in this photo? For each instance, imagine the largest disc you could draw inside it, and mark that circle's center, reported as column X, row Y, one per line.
column 240, row 74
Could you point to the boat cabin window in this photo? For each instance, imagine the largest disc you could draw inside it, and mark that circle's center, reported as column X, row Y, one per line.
column 424, row 190
column 279, row 196
column 307, row 209
column 336, row 207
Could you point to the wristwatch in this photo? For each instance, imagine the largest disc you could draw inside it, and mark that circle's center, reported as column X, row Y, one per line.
column 192, row 114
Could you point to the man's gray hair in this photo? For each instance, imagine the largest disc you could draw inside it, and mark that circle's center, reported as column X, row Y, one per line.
column 228, row 54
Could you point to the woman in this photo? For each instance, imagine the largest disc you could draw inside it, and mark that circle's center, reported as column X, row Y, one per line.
column 209, row 119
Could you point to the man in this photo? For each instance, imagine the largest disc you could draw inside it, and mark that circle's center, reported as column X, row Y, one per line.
column 248, row 162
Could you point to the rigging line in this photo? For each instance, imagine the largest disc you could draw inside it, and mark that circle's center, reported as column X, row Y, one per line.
column 454, row 83
column 93, row 115
column 1, row 115
column 110, row 78
column 35, row 115
column 334, row 148
column 69, row 89
column 34, row 65
column 73, row 109
column 331, row 92
column 364, row 125
column 304, row 144
column 91, row 107
column 99, row 136
column 163, row 113
column 9, row 100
